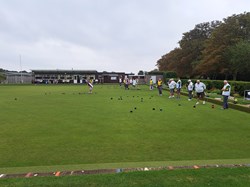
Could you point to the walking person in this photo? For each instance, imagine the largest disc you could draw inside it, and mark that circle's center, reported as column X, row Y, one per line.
column 178, row 88
column 159, row 86
column 200, row 91
column 171, row 85
column 226, row 93
column 190, row 88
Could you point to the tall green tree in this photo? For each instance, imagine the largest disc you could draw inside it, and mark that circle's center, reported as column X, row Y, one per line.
column 2, row 76
column 238, row 58
column 168, row 62
column 206, row 50
column 192, row 45
column 184, row 59
column 233, row 30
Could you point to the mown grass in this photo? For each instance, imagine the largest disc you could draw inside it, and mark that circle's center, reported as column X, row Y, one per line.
column 217, row 177
column 55, row 125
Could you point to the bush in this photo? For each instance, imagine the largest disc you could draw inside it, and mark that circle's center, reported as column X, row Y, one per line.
column 169, row 74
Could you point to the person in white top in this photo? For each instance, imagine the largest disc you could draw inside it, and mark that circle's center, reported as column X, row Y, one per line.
column 171, row 85
column 200, row 91
column 190, row 88
column 131, row 81
column 90, row 84
column 226, row 93
column 134, row 83
column 120, row 81
column 178, row 88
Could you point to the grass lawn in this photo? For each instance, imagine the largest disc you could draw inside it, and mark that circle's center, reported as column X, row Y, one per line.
column 54, row 126
column 216, row 177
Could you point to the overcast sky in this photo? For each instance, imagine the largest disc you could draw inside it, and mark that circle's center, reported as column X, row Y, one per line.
column 102, row 35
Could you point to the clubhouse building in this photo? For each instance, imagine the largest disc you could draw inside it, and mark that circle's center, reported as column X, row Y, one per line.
column 75, row 76
column 68, row 77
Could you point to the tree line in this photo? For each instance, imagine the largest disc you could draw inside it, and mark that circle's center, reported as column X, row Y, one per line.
column 213, row 50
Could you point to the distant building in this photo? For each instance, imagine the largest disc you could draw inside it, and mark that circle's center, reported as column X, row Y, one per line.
column 140, row 78
column 153, row 77
column 75, row 76
column 17, row 77
column 110, row 77
column 63, row 76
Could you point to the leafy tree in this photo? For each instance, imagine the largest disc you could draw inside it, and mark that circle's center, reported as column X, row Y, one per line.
column 183, row 60
column 192, row 45
column 140, row 72
column 2, row 76
column 205, row 51
column 168, row 61
column 214, row 61
column 238, row 57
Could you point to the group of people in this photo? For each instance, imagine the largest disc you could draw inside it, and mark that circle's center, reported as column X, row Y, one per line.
column 199, row 88
column 127, row 82
column 171, row 84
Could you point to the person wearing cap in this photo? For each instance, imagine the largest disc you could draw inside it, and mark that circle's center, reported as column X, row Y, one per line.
column 171, row 85
column 190, row 88
column 225, row 93
column 200, row 91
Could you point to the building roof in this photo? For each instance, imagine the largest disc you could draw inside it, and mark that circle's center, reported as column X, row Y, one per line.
column 9, row 73
column 41, row 71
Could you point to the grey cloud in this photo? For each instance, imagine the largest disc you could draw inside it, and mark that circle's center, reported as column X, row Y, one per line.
column 112, row 35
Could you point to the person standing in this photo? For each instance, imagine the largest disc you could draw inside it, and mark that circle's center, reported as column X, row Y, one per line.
column 120, row 81
column 171, row 85
column 126, row 83
column 178, row 88
column 159, row 86
column 151, row 84
column 130, row 81
column 190, row 88
column 134, row 83
column 200, row 91
column 226, row 93
column 90, row 84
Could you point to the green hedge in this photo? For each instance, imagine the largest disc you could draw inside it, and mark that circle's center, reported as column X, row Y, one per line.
column 237, row 86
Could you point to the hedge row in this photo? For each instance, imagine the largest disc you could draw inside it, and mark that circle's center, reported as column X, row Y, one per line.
column 165, row 74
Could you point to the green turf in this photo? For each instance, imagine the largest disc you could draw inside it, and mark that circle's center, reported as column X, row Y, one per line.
column 216, row 177
column 55, row 125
